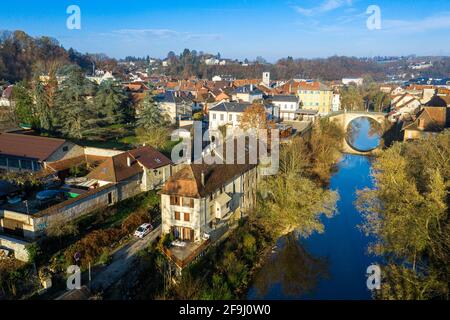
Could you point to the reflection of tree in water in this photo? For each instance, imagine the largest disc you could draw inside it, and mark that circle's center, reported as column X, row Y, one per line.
column 355, row 127
column 294, row 268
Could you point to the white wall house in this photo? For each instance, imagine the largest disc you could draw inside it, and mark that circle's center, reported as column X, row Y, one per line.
column 288, row 106
column 336, row 102
column 248, row 94
column 226, row 113
column 197, row 199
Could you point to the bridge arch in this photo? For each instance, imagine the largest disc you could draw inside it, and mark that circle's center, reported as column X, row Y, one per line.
column 345, row 118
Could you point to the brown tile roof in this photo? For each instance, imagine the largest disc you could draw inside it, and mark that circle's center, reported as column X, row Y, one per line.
column 150, row 157
column 116, row 169
column 432, row 119
column 20, row 145
column 188, row 181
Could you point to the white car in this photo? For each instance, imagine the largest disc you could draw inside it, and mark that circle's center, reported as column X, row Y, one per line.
column 143, row 230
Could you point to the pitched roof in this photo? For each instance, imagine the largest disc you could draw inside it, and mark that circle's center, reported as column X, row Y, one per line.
column 230, row 107
column 188, row 181
column 150, row 157
column 27, row 146
column 116, row 169
column 285, row 98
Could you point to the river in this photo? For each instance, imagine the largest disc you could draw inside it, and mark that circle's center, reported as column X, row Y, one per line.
column 331, row 265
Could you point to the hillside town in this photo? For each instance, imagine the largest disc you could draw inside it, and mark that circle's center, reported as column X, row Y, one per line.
column 218, row 158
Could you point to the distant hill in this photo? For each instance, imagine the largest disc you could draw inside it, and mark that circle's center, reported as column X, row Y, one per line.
column 21, row 56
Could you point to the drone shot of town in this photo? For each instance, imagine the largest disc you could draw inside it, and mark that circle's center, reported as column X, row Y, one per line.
column 236, row 158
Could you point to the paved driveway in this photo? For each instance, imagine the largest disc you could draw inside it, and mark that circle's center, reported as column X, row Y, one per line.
column 122, row 260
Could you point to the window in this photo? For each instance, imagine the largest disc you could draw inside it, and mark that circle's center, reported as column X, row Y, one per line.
column 177, row 216
column 110, row 199
column 188, row 202
column 3, row 161
column 174, row 201
column 14, row 163
column 65, row 148
column 230, row 117
column 238, row 118
column 26, row 164
column 222, row 117
column 187, row 217
column 214, row 116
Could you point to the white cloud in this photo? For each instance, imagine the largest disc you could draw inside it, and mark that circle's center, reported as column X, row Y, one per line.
column 430, row 23
column 325, row 6
column 164, row 34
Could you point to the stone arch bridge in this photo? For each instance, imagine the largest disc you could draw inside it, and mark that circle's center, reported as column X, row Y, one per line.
column 344, row 118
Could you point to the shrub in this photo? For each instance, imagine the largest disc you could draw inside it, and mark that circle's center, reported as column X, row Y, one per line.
column 93, row 245
column 134, row 220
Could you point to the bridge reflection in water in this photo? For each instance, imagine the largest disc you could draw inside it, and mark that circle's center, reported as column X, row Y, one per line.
column 363, row 130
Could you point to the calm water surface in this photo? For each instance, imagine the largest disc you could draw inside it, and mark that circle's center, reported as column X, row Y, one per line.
column 331, row 265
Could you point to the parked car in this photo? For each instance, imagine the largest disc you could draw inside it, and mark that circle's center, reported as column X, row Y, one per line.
column 143, row 230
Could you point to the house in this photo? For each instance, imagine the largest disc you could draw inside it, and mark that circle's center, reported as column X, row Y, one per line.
column 404, row 104
column 288, row 106
column 175, row 105
column 116, row 176
column 145, row 165
column 248, row 93
column 226, row 113
column 430, row 120
column 356, row 81
column 230, row 114
column 6, row 97
column 199, row 198
column 336, row 102
column 22, row 152
column 316, row 96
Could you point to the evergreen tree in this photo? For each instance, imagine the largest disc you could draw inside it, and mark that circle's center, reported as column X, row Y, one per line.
column 112, row 103
column 24, row 110
column 150, row 116
column 76, row 114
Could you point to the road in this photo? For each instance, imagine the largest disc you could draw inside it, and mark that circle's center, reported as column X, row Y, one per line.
column 122, row 260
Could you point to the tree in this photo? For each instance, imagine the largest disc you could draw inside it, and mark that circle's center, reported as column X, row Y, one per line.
column 255, row 118
column 407, row 213
column 24, row 110
column 157, row 137
column 290, row 203
column 75, row 113
column 150, row 116
column 352, row 99
column 111, row 103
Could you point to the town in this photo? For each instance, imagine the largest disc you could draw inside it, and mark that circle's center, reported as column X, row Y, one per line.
column 195, row 176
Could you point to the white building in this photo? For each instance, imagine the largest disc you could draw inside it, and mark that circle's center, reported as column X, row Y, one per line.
column 247, row 93
column 266, row 79
column 288, row 106
column 357, row 81
column 199, row 198
column 336, row 102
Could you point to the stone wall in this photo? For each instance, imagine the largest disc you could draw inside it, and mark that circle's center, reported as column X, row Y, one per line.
column 17, row 246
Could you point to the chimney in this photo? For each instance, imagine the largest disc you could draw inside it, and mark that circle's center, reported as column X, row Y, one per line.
column 421, row 123
column 129, row 161
column 203, row 179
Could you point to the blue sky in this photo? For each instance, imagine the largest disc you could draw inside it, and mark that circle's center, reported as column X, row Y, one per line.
column 239, row 28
